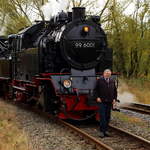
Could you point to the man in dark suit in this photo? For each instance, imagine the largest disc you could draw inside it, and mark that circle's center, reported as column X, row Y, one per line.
column 106, row 93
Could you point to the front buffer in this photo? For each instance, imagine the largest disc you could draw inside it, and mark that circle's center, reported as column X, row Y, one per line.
column 74, row 95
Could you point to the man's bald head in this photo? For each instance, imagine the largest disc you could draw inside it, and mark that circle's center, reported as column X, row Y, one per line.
column 107, row 73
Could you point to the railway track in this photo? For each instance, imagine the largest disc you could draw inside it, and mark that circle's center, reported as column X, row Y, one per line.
column 134, row 141
column 142, row 108
column 91, row 139
column 120, row 139
column 96, row 144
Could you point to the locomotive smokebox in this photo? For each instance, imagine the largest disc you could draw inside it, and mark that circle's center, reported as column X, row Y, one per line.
column 78, row 13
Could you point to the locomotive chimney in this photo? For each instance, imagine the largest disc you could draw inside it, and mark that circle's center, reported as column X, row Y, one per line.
column 78, row 13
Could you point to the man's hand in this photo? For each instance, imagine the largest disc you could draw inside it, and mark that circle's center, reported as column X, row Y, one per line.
column 99, row 100
column 114, row 102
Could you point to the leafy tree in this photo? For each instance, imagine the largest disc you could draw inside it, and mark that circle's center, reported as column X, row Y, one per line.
column 128, row 36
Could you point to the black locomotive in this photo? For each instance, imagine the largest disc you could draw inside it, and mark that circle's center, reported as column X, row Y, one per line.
column 55, row 63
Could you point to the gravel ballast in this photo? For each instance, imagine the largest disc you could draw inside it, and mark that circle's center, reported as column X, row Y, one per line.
column 44, row 134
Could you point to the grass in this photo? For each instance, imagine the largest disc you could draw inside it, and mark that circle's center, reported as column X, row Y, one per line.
column 129, row 119
column 11, row 137
column 140, row 88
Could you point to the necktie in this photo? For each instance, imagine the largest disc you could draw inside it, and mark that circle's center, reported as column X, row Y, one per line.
column 107, row 80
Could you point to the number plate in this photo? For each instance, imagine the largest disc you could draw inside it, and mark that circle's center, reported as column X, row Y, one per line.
column 84, row 44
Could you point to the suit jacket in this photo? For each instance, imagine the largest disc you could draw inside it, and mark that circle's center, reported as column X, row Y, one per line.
column 106, row 91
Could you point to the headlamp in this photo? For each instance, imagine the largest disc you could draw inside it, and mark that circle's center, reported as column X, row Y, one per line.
column 67, row 83
column 86, row 29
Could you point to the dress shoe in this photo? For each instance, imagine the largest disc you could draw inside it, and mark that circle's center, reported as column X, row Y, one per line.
column 101, row 135
column 107, row 134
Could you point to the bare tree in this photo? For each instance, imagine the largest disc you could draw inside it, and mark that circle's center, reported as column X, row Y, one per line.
column 19, row 11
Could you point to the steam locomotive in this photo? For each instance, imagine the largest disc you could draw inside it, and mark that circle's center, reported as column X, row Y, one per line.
column 54, row 64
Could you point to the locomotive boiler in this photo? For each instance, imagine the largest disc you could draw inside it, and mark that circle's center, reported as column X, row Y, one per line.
column 55, row 64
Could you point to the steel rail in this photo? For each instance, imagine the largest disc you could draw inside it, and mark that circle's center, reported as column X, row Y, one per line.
column 119, row 132
column 85, row 135
column 141, row 108
column 136, row 137
column 92, row 140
